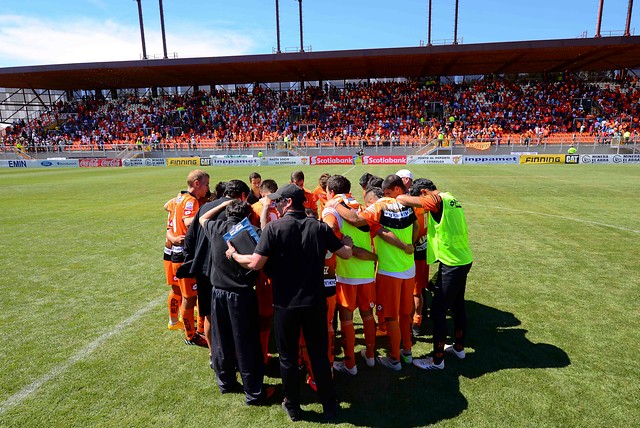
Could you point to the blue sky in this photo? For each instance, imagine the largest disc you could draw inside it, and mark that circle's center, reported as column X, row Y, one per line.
column 34, row 32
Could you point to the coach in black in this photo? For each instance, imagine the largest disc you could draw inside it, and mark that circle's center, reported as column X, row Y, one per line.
column 234, row 310
column 293, row 250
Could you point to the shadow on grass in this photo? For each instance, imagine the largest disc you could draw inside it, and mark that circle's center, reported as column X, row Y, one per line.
column 377, row 397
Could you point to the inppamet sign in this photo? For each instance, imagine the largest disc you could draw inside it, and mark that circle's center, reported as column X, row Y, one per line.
column 384, row 160
column 331, row 160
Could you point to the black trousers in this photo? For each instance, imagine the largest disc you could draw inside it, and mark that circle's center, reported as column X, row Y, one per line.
column 235, row 340
column 313, row 322
column 451, row 283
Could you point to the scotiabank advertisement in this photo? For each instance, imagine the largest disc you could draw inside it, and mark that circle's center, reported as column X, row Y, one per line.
column 384, row 160
column 331, row 160
column 99, row 162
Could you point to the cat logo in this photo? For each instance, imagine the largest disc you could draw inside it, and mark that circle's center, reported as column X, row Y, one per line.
column 574, row 159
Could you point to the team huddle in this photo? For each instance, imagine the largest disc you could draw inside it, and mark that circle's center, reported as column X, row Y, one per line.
column 258, row 257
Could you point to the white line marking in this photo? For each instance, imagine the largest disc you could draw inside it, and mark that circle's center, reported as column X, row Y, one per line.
column 594, row 223
column 21, row 395
column 348, row 171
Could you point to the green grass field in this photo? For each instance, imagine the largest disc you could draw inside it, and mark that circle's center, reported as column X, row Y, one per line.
column 552, row 301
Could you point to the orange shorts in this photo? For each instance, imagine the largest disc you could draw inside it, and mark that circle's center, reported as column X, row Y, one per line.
column 394, row 296
column 422, row 277
column 361, row 296
column 264, row 291
column 188, row 286
column 168, row 273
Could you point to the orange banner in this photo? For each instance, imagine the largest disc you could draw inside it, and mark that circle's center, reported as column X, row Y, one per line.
column 478, row 145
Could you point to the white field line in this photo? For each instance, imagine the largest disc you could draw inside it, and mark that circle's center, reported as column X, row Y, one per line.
column 593, row 223
column 348, row 171
column 21, row 395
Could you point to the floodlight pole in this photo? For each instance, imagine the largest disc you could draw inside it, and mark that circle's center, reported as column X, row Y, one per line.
column 627, row 27
column 599, row 21
column 455, row 25
column 301, row 39
column 278, row 26
column 429, row 26
column 144, row 46
column 164, row 37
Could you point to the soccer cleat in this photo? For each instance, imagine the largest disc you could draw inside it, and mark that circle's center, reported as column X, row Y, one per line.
column 197, row 340
column 428, row 364
column 340, row 366
column 370, row 361
column 177, row 326
column 452, row 350
column 390, row 363
column 406, row 356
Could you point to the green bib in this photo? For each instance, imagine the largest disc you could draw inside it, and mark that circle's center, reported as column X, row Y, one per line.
column 448, row 241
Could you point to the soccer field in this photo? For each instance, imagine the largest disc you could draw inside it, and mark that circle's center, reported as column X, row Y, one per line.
column 552, row 306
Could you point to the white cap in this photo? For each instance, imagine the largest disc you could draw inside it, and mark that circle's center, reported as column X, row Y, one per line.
column 405, row 173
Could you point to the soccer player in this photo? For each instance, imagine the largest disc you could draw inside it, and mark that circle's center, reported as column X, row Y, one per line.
column 448, row 243
column 266, row 212
column 254, row 183
column 321, row 191
column 310, row 200
column 355, row 277
column 185, row 209
column 396, row 268
column 175, row 297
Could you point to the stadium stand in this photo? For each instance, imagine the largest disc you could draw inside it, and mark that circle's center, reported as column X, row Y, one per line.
column 406, row 113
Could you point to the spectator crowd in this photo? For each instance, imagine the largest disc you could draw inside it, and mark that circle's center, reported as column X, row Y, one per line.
column 365, row 113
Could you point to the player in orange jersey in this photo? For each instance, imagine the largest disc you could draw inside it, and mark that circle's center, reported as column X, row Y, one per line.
column 265, row 210
column 185, row 209
column 321, row 191
column 175, row 297
column 396, row 268
column 311, row 202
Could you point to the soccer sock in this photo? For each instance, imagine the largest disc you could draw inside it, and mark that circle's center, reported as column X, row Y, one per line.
column 265, row 332
column 349, row 337
column 173, row 302
column 369, row 335
column 393, row 331
column 188, row 320
column 405, row 331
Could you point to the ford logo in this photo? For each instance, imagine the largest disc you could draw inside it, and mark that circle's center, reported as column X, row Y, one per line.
column 46, row 163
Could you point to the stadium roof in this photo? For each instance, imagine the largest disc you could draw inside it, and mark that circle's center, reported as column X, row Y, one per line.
column 585, row 54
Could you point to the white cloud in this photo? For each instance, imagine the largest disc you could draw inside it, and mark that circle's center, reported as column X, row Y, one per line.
column 34, row 41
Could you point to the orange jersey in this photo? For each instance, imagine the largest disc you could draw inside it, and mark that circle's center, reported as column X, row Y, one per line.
column 169, row 206
column 272, row 213
column 311, row 201
column 420, row 252
column 321, row 198
column 186, row 206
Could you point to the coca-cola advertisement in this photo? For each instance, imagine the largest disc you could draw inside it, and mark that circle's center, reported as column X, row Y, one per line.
column 99, row 162
column 331, row 160
column 384, row 160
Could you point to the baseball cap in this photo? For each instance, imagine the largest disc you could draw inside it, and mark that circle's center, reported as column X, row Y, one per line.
column 405, row 173
column 290, row 191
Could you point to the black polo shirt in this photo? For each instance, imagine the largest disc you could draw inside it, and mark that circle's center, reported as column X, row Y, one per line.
column 296, row 246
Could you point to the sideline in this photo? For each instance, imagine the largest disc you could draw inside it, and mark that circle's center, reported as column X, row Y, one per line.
column 593, row 223
column 21, row 395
